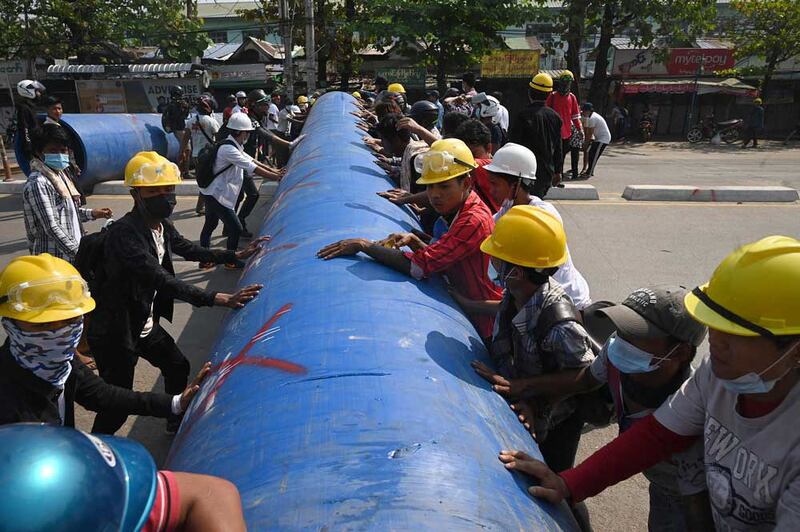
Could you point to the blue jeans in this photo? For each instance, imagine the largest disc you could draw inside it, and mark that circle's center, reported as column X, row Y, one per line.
column 214, row 213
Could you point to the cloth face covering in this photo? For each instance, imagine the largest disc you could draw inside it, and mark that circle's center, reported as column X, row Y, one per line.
column 45, row 353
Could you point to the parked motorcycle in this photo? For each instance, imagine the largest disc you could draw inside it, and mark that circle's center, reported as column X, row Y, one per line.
column 728, row 131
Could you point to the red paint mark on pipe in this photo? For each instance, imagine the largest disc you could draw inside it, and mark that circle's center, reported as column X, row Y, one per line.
column 220, row 372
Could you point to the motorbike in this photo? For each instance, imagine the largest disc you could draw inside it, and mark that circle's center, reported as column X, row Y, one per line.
column 646, row 127
column 728, row 131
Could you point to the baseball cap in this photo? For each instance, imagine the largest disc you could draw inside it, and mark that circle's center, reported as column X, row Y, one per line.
column 656, row 312
column 432, row 92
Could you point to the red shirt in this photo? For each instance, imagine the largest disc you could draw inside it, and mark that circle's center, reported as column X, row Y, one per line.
column 166, row 510
column 567, row 109
column 480, row 177
column 457, row 254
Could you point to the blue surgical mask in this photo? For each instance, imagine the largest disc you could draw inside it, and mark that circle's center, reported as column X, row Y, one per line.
column 56, row 161
column 629, row 359
column 752, row 382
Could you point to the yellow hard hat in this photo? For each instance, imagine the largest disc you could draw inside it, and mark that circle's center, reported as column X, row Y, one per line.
column 396, row 87
column 357, row 94
column 566, row 74
column 542, row 82
column 302, row 99
column 149, row 169
column 447, row 159
column 43, row 288
column 528, row 236
column 755, row 291
column 758, row 101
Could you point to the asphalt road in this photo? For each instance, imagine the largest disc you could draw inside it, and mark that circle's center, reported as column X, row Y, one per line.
column 619, row 246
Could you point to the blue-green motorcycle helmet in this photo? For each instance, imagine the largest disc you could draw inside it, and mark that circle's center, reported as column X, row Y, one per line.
column 58, row 478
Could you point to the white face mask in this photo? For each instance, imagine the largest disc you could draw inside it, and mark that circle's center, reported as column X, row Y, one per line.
column 752, row 382
column 45, row 353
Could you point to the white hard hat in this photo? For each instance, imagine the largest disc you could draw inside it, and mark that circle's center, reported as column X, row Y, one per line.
column 27, row 88
column 240, row 122
column 490, row 109
column 514, row 160
column 241, row 94
column 294, row 109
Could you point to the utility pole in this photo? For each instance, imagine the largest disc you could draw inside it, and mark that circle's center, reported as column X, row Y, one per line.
column 286, row 29
column 311, row 52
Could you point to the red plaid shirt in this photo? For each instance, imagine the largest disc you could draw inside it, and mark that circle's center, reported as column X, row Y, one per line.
column 480, row 177
column 457, row 254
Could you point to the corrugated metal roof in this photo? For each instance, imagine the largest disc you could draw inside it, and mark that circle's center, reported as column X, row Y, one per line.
column 522, row 42
column 151, row 68
column 710, row 43
column 221, row 51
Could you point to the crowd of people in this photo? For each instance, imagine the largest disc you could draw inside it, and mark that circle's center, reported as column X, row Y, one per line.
column 715, row 443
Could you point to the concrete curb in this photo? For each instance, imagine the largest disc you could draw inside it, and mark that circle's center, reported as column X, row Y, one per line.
column 709, row 194
column 573, row 192
column 118, row 188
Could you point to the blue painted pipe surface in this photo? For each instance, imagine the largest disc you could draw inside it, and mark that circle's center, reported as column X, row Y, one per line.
column 106, row 141
column 342, row 397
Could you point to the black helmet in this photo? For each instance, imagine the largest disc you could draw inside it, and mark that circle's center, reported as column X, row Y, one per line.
column 231, row 98
column 425, row 113
column 176, row 92
column 257, row 96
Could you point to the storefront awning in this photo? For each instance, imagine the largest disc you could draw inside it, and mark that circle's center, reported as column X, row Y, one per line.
column 677, row 86
column 151, row 68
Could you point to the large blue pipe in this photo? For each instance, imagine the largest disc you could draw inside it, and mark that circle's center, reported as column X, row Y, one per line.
column 105, row 143
column 342, row 397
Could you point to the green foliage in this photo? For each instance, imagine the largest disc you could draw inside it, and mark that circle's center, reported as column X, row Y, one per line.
column 769, row 29
column 94, row 29
column 447, row 34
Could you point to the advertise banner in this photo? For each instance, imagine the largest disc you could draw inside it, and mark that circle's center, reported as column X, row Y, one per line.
column 510, row 64
column 672, row 62
column 131, row 96
column 101, row 96
column 409, row 77
column 683, row 61
column 229, row 73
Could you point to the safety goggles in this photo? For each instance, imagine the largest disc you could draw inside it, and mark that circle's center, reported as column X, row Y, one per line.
column 156, row 174
column 71, row 292
column 438, row 161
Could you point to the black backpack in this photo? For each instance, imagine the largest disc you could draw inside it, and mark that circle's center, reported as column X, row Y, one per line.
column 204, row 169
column 89, row 258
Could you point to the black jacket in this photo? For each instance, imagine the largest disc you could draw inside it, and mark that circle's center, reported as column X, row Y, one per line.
column 24, row 397
column 26, row 125
column 173, row 119
column 131, row 281
column 538, row 128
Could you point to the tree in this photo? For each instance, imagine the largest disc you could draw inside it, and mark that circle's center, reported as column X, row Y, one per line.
column 449, row 35
column 96, row 30
column 644, row 21
column 768, row 29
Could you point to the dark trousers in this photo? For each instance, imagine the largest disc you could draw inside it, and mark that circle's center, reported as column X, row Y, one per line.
column 541, row 186
column 574, row 155
column 215, row 212
column 751, row 133
column 116, row 366
column 596, row 149
column 559, row 450
column 250, row 194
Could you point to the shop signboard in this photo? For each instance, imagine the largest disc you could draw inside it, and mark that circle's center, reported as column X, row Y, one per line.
column 11, row 73
column 672, row 62
column 409, row 77
column 510, row 64
column 101, row 96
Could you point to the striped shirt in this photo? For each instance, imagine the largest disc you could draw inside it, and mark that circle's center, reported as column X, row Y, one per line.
column 457, row 254
column 52, row 222
column 518, row 352
column 165, row 513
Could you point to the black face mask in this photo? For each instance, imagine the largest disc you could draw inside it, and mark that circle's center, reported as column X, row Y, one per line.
column 159, row 207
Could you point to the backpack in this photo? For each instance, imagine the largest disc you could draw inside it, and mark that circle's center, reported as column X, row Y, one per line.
column 204, row 169
column 595, row 407
column 89, row 258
